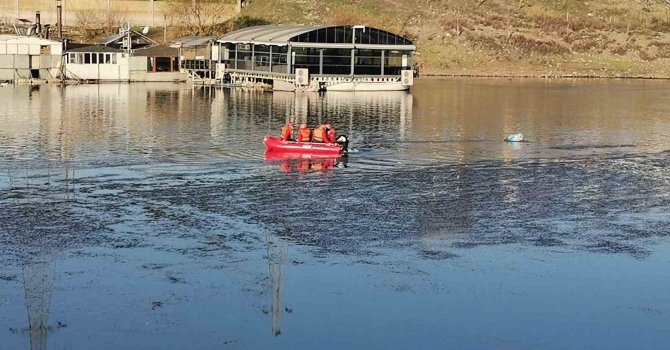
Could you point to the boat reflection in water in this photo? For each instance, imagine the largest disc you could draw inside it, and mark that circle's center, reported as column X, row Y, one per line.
column 301, row 162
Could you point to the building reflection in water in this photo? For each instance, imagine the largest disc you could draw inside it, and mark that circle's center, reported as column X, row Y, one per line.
column 231, row 108
column 344, row 109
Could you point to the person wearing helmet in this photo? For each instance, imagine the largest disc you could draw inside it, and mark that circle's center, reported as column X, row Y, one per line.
column 304, row 133
column 287, row 131
column 319, row 134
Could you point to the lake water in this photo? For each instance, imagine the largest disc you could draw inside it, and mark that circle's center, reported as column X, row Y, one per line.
column 147, row 217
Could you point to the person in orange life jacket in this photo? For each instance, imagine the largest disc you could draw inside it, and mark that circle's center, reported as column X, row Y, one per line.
column 287, row 131
column 330, row 133
column 319, row 134
column 304, row 133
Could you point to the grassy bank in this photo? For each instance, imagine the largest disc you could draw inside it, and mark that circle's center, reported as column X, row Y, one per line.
column 618, row 38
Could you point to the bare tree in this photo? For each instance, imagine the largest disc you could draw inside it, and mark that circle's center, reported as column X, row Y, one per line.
column 196, row 17
column 91, row 23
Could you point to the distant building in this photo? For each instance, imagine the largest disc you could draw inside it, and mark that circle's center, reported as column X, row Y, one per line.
column 312, row 58
column 195, row 54
column 126, row 56
column 97, row 63
column 29, row 58
column 101, row 63
column 162, row 64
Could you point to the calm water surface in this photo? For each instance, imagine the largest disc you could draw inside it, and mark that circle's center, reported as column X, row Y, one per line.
column 148, row 217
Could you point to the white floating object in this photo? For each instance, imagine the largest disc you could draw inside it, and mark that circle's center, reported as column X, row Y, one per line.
column 514, row 138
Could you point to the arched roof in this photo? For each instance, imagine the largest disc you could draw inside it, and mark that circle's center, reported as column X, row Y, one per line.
column 283, row 34
column 279, row 34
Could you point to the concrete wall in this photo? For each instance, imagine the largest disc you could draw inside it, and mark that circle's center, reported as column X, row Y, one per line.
column 138, row 12
column 16, row 66
column 106, row 72
column 158, row 77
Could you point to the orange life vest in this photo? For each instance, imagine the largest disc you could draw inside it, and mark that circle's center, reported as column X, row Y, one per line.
column 304, row 135
column 285, row 133
column 319, row 135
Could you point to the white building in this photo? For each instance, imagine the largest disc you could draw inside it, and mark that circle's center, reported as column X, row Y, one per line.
column 29, row 57
column 97, row 63
column 103, row 63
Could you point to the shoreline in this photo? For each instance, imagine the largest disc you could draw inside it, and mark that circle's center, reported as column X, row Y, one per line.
column 430, row 75
column 550, row 75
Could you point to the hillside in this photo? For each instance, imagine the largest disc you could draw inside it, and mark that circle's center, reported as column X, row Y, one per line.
column 627, row 38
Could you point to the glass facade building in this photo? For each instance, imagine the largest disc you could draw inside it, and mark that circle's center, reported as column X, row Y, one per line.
column 324, row 50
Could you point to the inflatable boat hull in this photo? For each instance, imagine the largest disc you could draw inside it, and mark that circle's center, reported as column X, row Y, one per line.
column 275, row 144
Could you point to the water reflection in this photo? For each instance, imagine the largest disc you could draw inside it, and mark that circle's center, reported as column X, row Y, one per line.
column 160, row 122
column 40, row 220
column 277, row 253
column 239, row 117
column 300, row 162
column 38, row 279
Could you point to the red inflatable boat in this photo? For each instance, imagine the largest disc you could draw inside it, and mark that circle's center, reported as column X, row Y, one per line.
column 275, row 144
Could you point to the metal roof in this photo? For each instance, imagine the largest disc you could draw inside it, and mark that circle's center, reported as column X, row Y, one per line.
column 24, row 39
column 157, row 51
column 319, row 36
column 270, row 34
column 95, row 48
column 117, row 37
column 190, row 41
column 110, row 39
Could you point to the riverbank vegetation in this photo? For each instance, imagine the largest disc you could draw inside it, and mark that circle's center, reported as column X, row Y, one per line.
column 626, row 38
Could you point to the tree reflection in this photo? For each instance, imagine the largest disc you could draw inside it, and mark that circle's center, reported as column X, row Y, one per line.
column 38, row 280
column 277, row 251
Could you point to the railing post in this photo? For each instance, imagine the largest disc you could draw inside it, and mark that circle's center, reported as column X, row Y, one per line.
column 289, row 60
column 383, row 56
column 320, row 61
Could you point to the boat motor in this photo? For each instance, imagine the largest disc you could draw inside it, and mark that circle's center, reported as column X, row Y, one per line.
column 343, row 141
